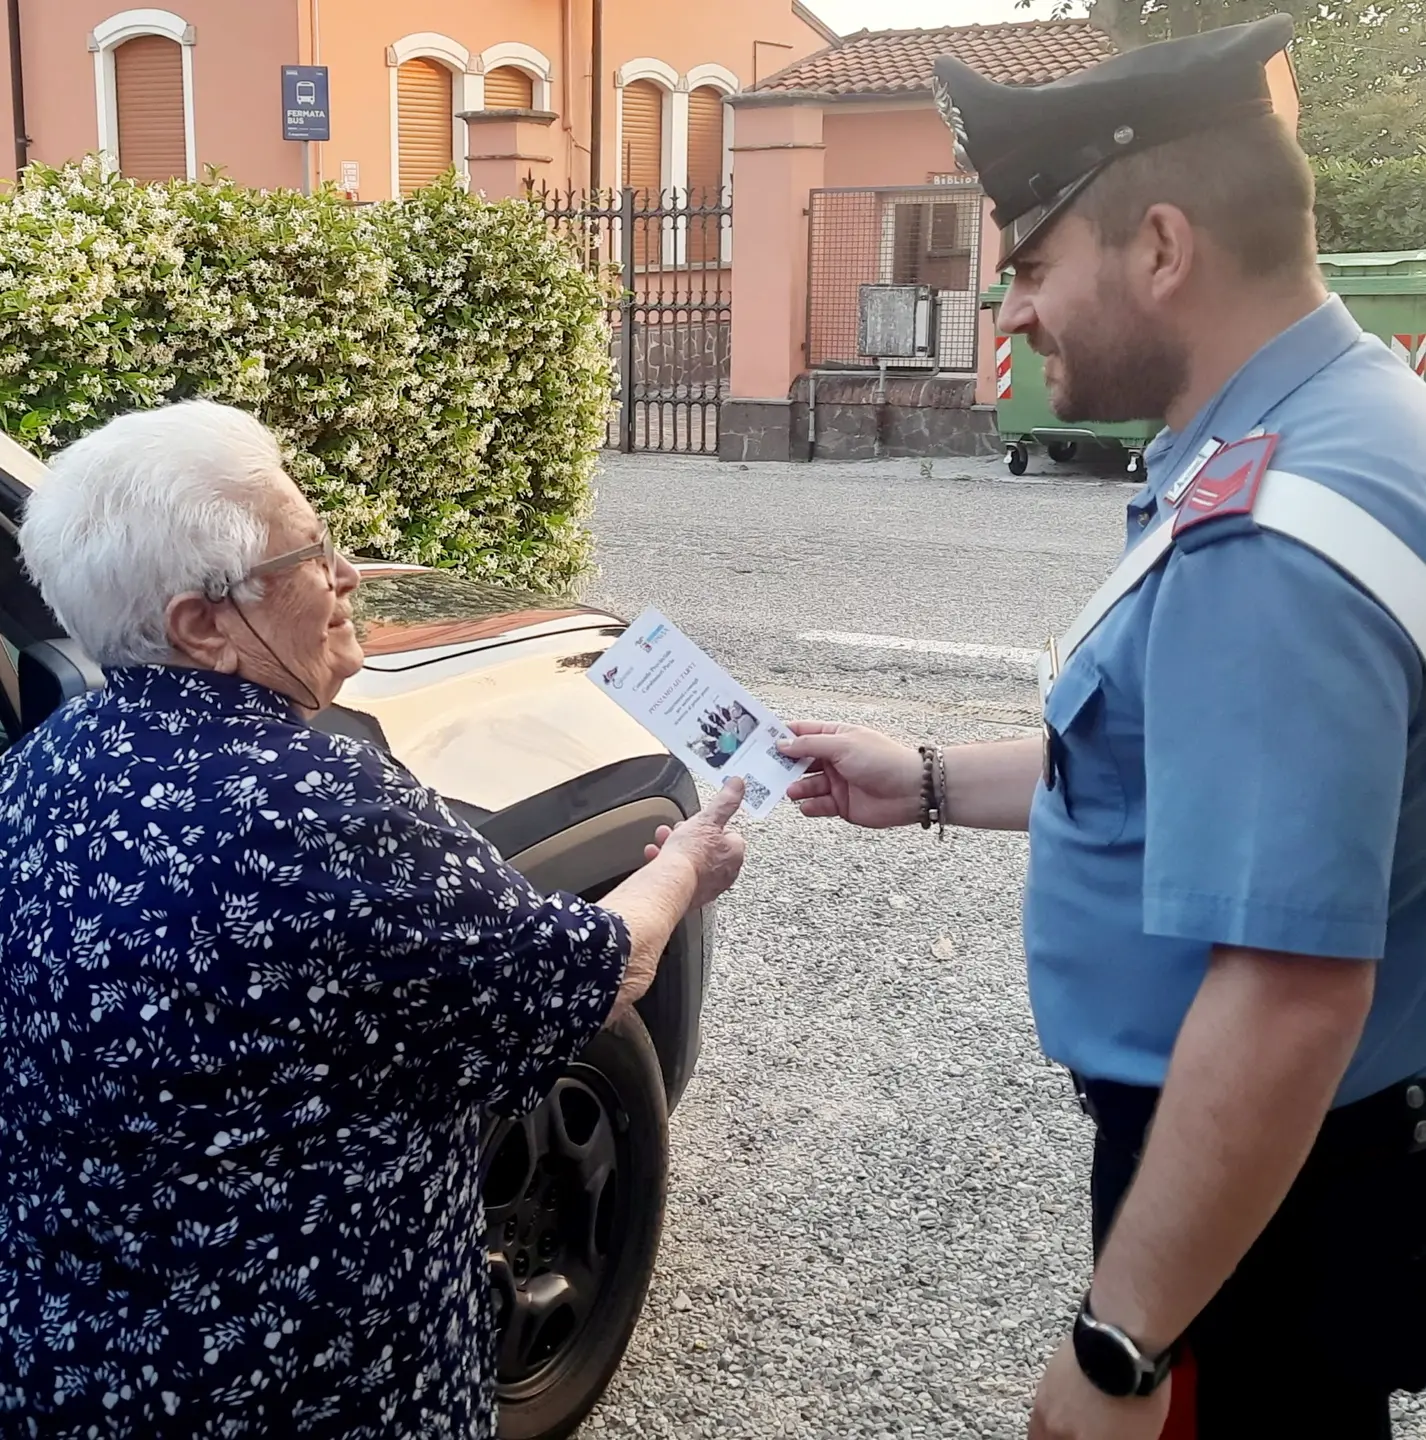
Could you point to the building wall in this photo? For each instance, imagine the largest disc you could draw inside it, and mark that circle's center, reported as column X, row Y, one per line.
column 905, row 145
column 237, row 88
column 241, row 47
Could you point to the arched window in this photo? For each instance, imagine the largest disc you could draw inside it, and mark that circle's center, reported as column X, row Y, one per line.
column 516, row 77
column 431, row 76
column 143, row 80
column 649, row 161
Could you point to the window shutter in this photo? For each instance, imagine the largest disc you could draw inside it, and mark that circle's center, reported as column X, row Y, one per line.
column 643, row 164
column 148, row 79
column 705, row 172
column 509, row 89
column 643, row 140
column 425, row 120
column 705, row 146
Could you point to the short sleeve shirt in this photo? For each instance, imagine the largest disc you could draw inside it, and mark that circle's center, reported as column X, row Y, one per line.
column 259, row 991
column 1243, row 759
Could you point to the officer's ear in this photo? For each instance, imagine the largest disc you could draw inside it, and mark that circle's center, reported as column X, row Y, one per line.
column 1163, row 253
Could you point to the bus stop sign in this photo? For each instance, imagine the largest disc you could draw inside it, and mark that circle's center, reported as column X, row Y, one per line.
column 306, row 112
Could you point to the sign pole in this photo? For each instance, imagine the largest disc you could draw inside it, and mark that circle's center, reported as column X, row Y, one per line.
column 306, row 167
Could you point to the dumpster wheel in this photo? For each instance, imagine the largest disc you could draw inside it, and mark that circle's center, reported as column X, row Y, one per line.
column 1017, row 458
column 1135, row 463
column 1061, row 451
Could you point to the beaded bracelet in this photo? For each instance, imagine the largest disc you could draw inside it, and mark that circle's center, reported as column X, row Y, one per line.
column 933, row 788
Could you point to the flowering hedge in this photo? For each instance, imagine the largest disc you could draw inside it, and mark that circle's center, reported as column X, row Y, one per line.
column 437, row 371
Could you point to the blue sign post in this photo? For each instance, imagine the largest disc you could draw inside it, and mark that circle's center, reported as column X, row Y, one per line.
column 306, row 110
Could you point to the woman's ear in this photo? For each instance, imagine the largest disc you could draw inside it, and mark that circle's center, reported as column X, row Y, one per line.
column 196, row 633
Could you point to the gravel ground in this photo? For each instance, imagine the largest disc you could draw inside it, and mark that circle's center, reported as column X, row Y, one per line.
column 877, row 1223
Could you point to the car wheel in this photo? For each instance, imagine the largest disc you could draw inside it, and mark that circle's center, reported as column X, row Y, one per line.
column 574, row 1205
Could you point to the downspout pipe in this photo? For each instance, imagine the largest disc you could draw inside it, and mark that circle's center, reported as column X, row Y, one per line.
column 17, row 90
column 596, row 101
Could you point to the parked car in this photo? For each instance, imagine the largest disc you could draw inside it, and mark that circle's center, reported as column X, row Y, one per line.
column 481, row 692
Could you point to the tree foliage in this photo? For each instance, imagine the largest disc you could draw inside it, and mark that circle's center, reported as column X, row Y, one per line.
column 1131, row 23
column 1362, row 75
column 1379, row 206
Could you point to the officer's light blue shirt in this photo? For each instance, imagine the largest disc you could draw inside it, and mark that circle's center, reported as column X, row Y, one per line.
column 1242, row 741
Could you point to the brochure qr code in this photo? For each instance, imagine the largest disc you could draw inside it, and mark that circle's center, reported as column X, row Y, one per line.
column 705, row 717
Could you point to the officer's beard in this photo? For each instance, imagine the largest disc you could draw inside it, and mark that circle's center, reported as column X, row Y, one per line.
column 1112, row 364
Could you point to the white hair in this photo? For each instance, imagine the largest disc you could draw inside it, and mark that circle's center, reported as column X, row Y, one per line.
column 152, row 505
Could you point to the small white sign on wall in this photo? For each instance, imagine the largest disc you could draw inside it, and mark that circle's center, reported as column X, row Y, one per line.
column 351, row 176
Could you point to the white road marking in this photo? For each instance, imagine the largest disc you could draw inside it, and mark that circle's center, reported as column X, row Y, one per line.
column 961, row 650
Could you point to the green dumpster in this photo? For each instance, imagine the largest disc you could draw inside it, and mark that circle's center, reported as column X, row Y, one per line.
column 1022, row 407
column 1386, row 293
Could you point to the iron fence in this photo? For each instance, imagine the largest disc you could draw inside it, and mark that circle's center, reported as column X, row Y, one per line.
column 671, row 325
column 927, row 235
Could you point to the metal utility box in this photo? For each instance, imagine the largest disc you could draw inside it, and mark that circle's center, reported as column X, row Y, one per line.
column 896, row 323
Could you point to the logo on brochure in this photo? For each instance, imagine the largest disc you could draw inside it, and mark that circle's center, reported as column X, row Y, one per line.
column 608, row 678
column 647, row 642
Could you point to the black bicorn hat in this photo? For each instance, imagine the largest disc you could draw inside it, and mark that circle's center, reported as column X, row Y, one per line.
column 1035, row 147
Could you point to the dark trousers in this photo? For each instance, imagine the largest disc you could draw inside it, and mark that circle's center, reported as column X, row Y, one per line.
column 1326, row 1315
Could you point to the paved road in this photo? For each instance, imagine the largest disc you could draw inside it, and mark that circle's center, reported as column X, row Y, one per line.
column 765, row 563
column 877, row 1224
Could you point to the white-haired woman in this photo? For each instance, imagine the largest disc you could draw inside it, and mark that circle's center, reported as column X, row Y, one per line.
column 256, row 985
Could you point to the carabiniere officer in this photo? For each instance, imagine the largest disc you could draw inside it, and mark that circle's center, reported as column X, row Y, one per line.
column 1225, row 909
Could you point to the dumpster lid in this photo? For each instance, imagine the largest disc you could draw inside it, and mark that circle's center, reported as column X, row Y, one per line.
column 1411, row 261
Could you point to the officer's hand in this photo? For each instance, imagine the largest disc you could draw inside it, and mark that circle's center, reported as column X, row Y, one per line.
column 1068, row 1407
column 861, row 775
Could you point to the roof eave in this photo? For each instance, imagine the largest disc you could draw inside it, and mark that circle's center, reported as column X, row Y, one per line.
column 761, row 98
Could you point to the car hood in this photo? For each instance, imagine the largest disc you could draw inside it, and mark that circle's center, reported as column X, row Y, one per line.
column 407, row 616
column 481, row 691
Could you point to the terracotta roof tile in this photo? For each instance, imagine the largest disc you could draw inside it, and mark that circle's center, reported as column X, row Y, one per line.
column 891, row 62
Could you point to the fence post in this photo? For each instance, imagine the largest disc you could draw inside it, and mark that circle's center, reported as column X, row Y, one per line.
column 626, row 328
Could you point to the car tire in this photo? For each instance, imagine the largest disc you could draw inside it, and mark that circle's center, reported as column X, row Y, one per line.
column 575, row 1196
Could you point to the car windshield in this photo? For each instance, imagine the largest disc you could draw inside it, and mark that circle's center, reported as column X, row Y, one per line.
column 398, row 610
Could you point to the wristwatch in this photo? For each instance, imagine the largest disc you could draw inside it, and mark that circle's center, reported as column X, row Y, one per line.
column 1112, row 1362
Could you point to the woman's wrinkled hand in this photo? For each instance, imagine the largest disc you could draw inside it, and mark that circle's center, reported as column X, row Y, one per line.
column 705, row 843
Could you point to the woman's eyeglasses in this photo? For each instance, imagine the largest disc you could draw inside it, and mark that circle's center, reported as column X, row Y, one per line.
column 322, row 549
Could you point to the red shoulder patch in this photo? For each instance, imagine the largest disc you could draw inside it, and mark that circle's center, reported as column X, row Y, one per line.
column 1228, row 484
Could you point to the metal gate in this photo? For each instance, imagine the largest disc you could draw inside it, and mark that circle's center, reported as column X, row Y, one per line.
column 672, row 323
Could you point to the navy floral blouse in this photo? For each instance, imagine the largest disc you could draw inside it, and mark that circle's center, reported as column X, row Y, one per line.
column 256, row 987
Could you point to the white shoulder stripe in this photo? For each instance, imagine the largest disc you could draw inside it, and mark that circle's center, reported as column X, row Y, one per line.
column 1314, row 515
column 1356, row 542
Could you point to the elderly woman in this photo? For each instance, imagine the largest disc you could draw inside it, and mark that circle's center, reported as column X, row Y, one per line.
column 257, row 984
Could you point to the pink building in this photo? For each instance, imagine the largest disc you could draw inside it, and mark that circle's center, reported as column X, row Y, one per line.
column 845, row 178
column 569, row 90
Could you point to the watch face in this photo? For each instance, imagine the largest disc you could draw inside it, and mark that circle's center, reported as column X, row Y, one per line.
column 1104, row 1360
